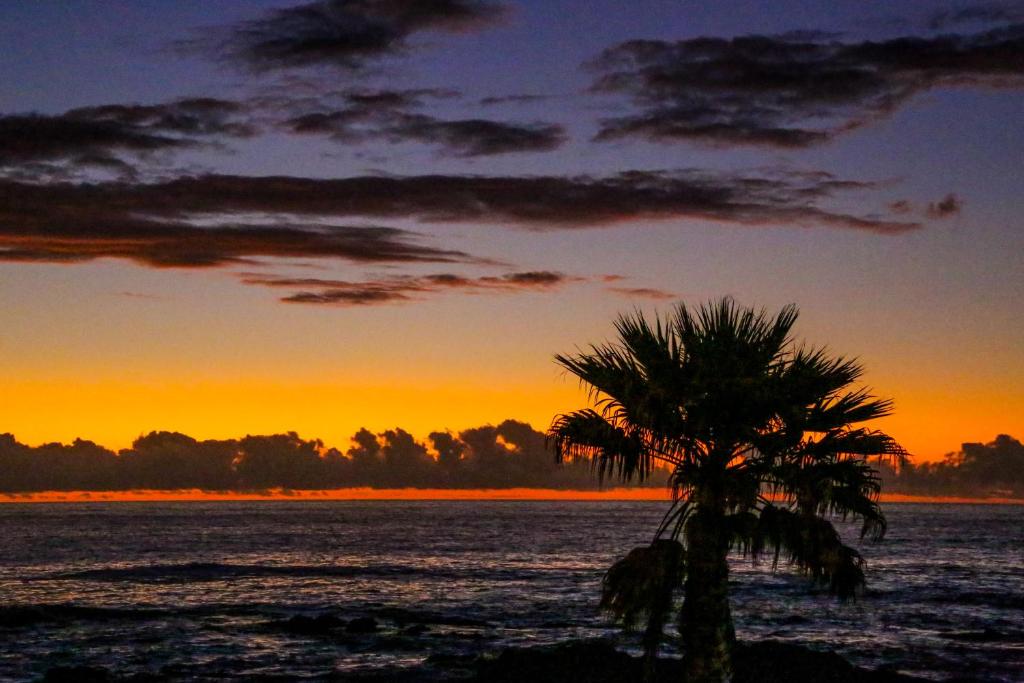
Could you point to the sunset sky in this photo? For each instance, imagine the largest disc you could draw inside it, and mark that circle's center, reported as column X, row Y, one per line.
column 252, row 217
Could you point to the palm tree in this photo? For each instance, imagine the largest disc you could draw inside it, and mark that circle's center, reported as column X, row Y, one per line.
column 760, row 440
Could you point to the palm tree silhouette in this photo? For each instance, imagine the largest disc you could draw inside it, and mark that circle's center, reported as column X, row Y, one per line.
column 760, row 440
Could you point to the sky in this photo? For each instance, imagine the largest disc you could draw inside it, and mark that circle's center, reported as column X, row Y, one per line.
column 248, row 218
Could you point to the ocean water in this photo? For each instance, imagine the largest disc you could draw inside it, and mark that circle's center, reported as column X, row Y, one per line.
column 204, row 590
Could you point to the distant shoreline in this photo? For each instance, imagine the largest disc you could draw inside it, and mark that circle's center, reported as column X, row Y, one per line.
column 407, row 494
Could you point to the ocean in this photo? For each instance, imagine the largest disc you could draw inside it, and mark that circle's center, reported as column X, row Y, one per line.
column 211, row 590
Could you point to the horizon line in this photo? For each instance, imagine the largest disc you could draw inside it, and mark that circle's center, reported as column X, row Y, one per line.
column 512, row 494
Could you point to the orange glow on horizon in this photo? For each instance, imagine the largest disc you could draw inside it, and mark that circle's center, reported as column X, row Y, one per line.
column 113, row 413
column 359, row 493
column 365, row 493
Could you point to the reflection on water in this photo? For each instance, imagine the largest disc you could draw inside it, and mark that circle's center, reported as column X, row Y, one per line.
column 197, row 589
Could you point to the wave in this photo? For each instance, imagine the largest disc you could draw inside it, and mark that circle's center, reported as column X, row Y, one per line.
column 986, row 635
column 195, row 572
column 15, row 616
column 1000, row 600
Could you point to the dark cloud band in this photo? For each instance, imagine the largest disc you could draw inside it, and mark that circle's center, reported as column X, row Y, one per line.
column 406, row 288
column 346, row 34
column 792, row 90
column 101, row 136
column 391, row 116
column 643, row 293
column 208, row 220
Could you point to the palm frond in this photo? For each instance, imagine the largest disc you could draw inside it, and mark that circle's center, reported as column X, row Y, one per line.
column 611, row 450
column 859, row 442
column 634, row 381
column 840, row 488
column 812, row 544
column 763, row 435
column 641, row 585
column 812, row 373
column 834, row 412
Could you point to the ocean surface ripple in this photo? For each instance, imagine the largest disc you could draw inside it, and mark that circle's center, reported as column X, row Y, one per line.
column 309, row 589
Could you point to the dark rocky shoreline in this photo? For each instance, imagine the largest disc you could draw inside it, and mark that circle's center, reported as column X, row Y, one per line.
column 599, row 662
column 595, row 660
column 586, row 661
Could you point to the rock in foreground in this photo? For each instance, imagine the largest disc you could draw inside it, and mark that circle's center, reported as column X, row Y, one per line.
column 588, row 661
column 598, row 661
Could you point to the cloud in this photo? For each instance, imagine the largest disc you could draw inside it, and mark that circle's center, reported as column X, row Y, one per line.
column 984, row 13
column 525, row 98
column 159, row 226
column 790, row 91
column 212, row 220
column 950, row 205
column 901, row 207
column 346, row 34
column 294, row 97
column 109, row 137
column 406, row 288
column 643, row 293
column 181, row 245
column 188, row 116
column 477, row 137
column 33, row 137
column 137, row 295
column 388, row 115
column 100, row 136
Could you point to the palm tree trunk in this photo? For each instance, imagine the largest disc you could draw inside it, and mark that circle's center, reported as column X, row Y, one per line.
column 652, row 641
column 706, row 622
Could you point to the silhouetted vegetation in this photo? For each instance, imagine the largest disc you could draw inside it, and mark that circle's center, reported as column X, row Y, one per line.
column 976, row 470
column 511, row 454
column 763, row 439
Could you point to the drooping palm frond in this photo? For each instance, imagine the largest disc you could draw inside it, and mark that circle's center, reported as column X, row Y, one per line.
column 739, row 490
column 812, row 544
column 846, row 501
column 741, row 529
column 611, row 450
column 675, row 519
column 642, row 584
column 845, row 442
column 641, row 587
column 831, row 484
